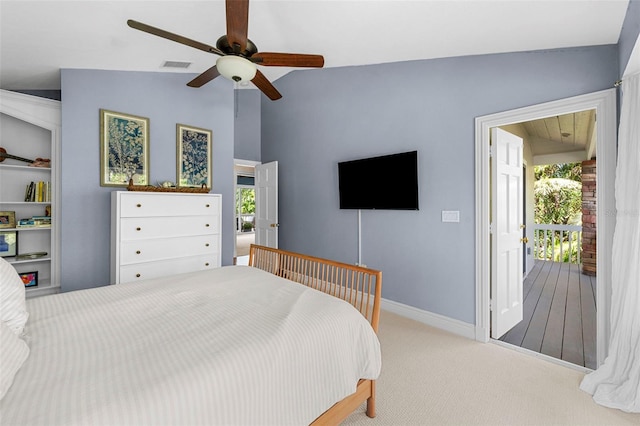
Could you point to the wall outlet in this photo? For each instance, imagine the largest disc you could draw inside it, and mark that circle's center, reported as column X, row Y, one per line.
column 450, row 215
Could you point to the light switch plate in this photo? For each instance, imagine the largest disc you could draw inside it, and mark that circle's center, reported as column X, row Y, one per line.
column 450, row 215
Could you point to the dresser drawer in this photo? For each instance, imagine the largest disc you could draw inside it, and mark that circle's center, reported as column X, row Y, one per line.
column 139, row 204
column 136, row 251
column 165, row 268
column 141, row 228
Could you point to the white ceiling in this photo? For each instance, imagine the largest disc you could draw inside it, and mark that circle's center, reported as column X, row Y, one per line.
column 38, row 38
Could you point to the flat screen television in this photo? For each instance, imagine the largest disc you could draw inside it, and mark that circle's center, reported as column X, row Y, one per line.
column 388, row 182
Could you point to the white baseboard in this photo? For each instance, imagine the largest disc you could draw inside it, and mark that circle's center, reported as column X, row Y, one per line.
column 435, row 320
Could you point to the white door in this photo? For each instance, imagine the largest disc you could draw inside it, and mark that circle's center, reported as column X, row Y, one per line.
column 506, row 231
column 266, row 185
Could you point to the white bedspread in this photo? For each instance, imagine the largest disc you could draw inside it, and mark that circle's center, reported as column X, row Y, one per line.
column 234, row 345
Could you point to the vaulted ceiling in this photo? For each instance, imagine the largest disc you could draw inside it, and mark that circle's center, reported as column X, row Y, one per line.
column 38, row 38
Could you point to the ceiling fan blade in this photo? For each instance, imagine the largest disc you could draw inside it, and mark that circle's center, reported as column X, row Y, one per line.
column 204, row 78
column 265, row 86
column 173, row 37
column 237, row 24
column 272, row 59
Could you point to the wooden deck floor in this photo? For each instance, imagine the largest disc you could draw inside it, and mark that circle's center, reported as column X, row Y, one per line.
column 559, row 317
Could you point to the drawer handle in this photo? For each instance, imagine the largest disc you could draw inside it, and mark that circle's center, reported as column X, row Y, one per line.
column 138, row 205
column 206, row 264
column 207, row 225
column 207, row 205
column 137, row 275
column 206, row 245
column 137, row 251
column 138, row 228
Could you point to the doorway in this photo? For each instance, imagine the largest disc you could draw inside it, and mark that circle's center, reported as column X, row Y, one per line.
column 245, row 207
column 556, row 301
column 604, row 105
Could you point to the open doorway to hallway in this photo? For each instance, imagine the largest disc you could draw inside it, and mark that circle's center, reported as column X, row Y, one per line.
column 245, row 208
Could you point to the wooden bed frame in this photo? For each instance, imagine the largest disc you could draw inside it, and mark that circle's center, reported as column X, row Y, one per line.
column 355, row 284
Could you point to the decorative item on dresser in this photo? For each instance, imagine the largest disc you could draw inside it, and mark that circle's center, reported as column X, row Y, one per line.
column 155, row 234
column 161, row 188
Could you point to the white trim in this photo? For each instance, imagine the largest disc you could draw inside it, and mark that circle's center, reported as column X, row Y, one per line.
column 429, row 318
column 249, row 163
column 604, row 102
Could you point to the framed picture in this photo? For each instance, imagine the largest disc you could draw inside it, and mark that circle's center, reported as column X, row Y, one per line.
column 8, row 243
column 30, row 279
column 124, row 149
column 7, row 220
column 193, row 156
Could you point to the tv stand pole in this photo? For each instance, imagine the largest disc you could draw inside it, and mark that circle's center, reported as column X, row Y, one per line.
column 359, row 237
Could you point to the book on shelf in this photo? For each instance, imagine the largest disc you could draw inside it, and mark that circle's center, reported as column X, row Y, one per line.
column 39, row 192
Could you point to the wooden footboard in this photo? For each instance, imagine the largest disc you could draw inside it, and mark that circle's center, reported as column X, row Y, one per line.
column 355, row 284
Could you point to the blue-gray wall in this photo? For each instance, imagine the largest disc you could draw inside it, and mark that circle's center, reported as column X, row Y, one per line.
column 247, row 125
column 166, row 100
column 336, row 114
column 629, row 33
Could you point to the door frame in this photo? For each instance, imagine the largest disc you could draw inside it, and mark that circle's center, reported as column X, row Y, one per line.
column 604, row 102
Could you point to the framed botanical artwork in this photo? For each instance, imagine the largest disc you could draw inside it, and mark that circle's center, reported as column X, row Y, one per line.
column 8, row 243
column 193, row 168
column 7, row 220
column 124, row 149
column 30, row 279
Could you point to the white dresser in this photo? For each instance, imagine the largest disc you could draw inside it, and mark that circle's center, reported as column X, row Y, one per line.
column 155, row 234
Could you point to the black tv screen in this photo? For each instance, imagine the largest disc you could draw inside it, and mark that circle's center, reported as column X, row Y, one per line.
column 388, row 182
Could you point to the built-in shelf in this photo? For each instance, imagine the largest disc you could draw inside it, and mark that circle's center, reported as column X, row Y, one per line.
column 29, row 168
column 28, row 228
column 15, row 261
column 30, row 128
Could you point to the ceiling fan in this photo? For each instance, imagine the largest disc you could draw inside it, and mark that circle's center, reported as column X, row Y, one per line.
column 238, row 54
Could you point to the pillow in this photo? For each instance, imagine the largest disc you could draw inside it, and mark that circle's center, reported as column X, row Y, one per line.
column 13, row 309
column 13, row 353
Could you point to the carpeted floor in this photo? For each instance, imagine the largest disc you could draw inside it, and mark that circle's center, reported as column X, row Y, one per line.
column 431, row 377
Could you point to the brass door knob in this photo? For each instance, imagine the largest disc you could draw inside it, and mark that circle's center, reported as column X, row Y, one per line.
column 524, row 240
column 274, row 225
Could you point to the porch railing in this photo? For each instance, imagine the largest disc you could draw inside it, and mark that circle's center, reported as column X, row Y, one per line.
column 559, row 243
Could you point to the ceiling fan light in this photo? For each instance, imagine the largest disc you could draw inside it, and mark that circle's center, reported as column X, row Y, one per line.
column 236, row 68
